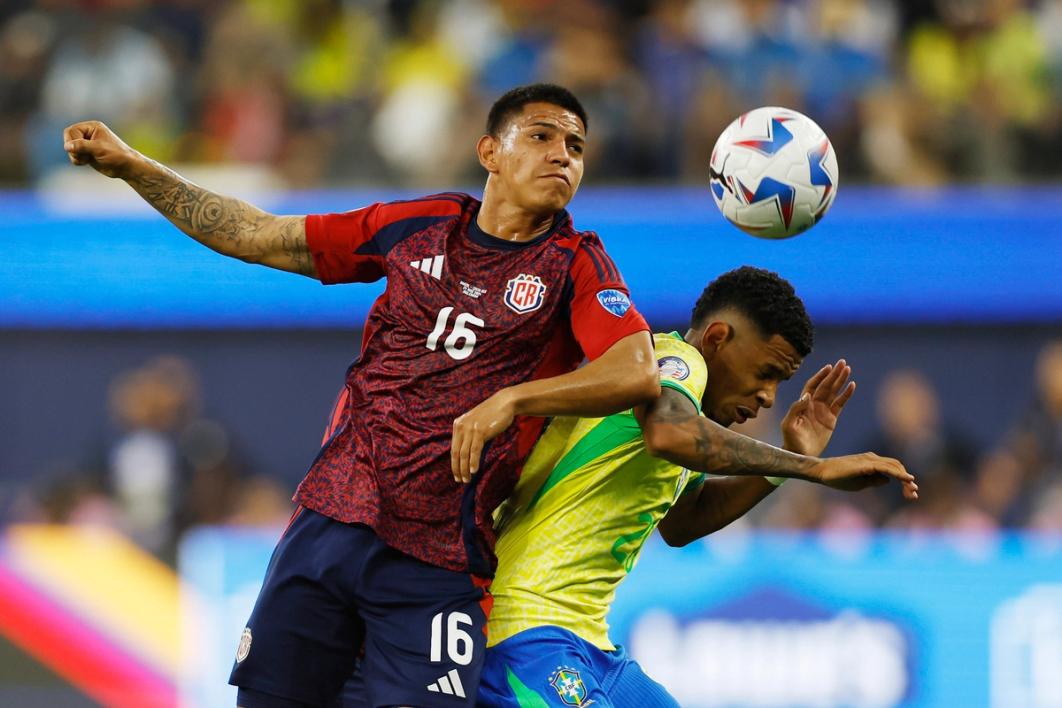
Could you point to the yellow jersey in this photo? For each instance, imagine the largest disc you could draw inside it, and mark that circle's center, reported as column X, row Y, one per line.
column 588, row 497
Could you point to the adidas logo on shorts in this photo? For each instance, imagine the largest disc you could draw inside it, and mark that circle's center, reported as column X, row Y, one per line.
column 450, row 684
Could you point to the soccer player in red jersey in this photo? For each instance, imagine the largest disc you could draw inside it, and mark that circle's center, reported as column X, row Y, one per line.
column 489, row 307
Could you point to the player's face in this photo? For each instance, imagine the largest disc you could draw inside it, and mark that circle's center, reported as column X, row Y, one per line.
column 744, row 373
column 540, row 157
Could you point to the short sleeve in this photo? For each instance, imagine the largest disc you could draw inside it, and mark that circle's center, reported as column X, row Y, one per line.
column 601, row 309
column 352, row 247
column 681, row 367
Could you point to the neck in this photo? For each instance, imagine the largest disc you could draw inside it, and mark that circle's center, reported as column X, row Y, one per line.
column 503, row 219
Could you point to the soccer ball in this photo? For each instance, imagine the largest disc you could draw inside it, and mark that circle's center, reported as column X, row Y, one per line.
column 773, row 173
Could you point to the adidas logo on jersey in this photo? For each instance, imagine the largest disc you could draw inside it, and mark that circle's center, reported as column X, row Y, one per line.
column 432, row 265
column 450, row 684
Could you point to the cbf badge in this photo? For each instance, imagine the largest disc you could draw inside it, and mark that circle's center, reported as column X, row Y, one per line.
column 525, row 293
column 569, row 686
column 245, row 645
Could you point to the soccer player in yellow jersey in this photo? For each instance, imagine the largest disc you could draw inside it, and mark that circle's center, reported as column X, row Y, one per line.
column 594, row 489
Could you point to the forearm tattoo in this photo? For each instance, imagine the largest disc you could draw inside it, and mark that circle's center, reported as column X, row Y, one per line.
column 226, row 224
column 709, row 447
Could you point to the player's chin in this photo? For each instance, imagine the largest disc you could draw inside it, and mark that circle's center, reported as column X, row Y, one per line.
column 555, row 197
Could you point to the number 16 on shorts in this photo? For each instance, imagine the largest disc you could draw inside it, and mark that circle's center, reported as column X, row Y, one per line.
column 458, row 642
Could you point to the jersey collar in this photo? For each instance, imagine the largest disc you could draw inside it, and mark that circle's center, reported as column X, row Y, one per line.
column 482, row 238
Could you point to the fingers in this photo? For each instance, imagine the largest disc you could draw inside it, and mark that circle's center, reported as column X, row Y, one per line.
column 839, row 402
column 833, row 382
column 895, row 469
column 455, row 448
column 475, row 454
column 464, row 454
column 815, row 380
column 84, row 129
column 78, row 150
column 466, row 449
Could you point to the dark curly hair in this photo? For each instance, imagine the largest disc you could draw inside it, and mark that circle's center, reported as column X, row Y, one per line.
column 764, row 297
column 514, row 100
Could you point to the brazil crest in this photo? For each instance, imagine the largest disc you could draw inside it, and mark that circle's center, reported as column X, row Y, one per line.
column 569, row 686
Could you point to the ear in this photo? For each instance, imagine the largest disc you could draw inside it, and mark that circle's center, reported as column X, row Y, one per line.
column 486, row 151
column 715, row 337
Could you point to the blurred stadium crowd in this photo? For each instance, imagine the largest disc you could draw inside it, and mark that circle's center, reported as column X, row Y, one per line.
column 166, row 467
column 385, row 91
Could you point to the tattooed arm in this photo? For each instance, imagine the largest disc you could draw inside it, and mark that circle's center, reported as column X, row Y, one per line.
column 673, row 430
column 227, row 225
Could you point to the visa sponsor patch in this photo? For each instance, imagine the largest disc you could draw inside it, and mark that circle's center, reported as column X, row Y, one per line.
column 672, row 367
column 615, row 301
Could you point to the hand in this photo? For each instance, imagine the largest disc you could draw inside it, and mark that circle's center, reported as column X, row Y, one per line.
column 93, row 143
column 475, row 429
column 853, row 473
column 810, row 422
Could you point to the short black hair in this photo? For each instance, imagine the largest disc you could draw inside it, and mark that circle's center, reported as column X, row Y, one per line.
column 766, row 298
column 513, row 101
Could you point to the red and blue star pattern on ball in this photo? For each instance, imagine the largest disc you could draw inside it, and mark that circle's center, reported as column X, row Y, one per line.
column 819, row 176
column 778, row 136
column 784, row 196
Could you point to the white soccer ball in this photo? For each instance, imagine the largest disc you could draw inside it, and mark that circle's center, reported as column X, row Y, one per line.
column 773, row 173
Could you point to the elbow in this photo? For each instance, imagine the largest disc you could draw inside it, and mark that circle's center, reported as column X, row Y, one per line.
column 645, row 385
column 674, row 538
column 660, row 441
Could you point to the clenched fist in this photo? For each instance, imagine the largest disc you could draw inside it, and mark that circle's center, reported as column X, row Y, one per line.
column 93, row 143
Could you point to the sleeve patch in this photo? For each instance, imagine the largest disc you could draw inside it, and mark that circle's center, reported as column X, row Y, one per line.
column 614, row 301
column 672, row 367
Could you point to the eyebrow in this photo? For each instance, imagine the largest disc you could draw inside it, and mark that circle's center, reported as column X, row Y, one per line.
column 778, row 372
column 554, row 126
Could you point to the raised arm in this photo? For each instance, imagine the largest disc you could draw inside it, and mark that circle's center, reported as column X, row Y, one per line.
column 673, row 430
column 623, row 377
column 807, row 427
column 230, row 226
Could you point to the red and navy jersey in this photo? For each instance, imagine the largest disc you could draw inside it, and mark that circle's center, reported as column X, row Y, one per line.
column 464, row 315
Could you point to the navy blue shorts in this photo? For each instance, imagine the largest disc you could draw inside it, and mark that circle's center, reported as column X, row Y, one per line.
column 336, row 598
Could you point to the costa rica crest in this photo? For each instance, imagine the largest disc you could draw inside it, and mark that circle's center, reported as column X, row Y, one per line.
column 525, row 293
column 569, row 686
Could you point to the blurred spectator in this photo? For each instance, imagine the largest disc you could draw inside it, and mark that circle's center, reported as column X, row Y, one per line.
column 243, row 88
column 25, row 42
column 911, row 430
column 103, row 67
column 421, row 129
column 981, row 78
column 169, row 467
column 1035, row 444
column 588, row 57
column 150, row 405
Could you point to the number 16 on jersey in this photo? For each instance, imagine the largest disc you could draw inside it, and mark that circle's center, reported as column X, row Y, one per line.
column 461, row 340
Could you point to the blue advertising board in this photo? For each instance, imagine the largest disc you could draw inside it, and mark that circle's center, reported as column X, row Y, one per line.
column 881, row 255
column 754, row 619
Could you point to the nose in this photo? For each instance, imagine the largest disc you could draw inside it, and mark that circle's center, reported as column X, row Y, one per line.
column 765, row 396
column 558, row 153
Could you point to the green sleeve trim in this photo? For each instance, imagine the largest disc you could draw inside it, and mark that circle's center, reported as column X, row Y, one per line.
column 694, row 482
column 682, row 389
column 604, row 437
column 525, row 697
